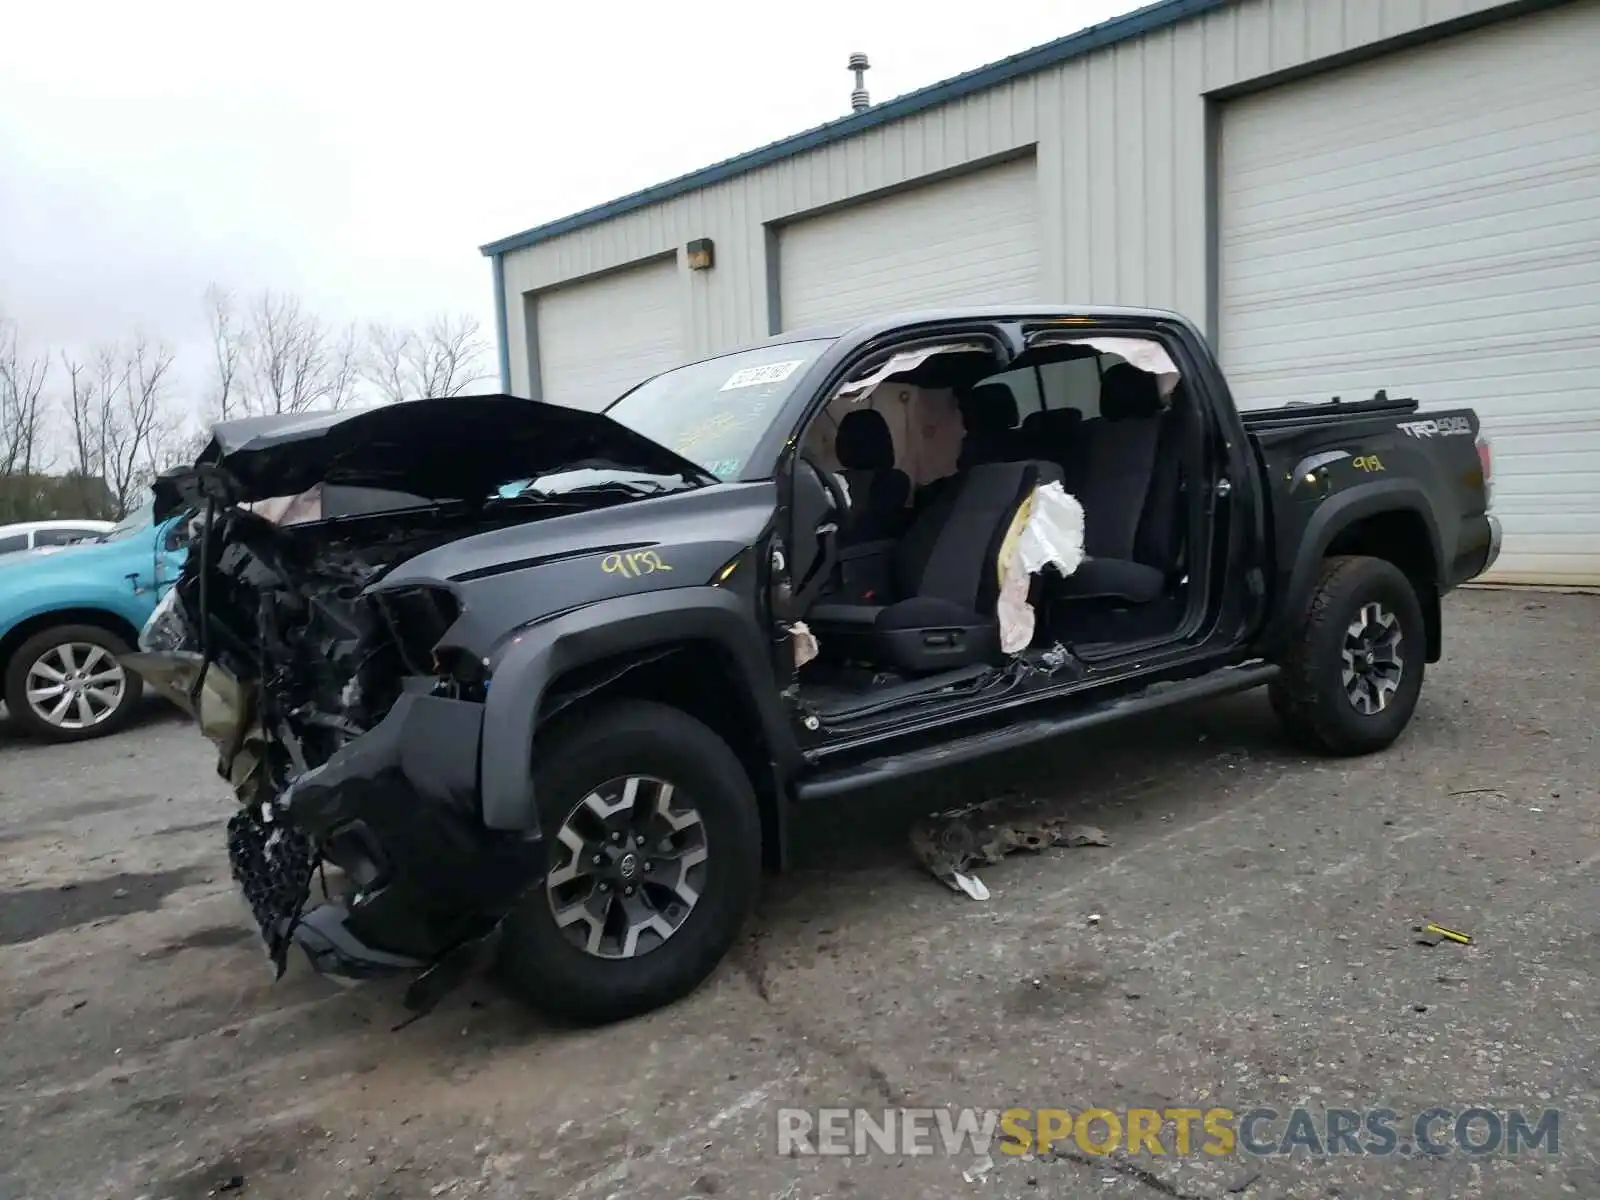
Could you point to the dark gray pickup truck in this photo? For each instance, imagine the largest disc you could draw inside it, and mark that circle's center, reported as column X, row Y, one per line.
column 556, row 700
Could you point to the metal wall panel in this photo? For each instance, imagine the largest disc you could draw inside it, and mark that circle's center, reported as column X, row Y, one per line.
column 973, row 239
column 1121, row 146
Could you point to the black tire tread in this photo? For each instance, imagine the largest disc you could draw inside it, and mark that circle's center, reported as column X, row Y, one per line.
column 565, row 987
column 1296, row 693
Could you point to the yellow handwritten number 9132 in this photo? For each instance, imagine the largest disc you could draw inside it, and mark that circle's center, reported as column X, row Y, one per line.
column 640, row 562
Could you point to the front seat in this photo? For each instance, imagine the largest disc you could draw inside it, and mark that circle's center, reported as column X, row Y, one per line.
column 879, row 492
column 1125, row 455
column 944, row 578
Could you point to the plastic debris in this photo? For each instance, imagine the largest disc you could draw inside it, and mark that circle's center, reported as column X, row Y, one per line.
column 953, row 842
column 978, row 1171
column 970, row 884
column 1452, row 935
column 805, row 643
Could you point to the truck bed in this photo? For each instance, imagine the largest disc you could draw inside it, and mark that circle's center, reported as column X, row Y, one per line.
column 1289, row 416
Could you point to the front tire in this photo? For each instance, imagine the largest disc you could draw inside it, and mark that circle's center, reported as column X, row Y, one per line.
column 65, row 684
column 1353, row 669
column 653, row 840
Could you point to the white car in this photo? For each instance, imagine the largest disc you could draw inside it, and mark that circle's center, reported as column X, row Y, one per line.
column 31, row 535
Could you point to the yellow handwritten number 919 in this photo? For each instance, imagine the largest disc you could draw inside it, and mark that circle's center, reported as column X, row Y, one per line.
column 640, row 562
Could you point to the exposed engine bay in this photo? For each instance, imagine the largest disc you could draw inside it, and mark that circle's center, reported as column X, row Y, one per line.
column 286, row 658
column 290, row 663
column 320, row 635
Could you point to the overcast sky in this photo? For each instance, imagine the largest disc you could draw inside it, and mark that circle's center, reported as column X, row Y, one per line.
column 359, row 153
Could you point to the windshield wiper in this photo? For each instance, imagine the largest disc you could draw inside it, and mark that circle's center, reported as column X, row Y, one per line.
column 627, row 487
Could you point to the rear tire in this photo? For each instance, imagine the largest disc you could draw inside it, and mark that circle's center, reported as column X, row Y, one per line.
column 585, row 969
column 110, row 692
column 1353, row 669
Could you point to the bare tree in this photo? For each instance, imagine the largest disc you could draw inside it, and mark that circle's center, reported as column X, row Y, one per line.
column 22, row 405
column 344, row 368
column 119, row 419
column 84, row 431
column 292, row 360
column 444, row 358
column 228, row 341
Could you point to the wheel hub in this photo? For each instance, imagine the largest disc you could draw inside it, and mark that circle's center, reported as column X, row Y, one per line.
column 75, row 685
column 1373, row 666
column 627, row 867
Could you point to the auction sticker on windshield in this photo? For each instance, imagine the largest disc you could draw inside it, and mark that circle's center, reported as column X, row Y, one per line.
column 755, row 376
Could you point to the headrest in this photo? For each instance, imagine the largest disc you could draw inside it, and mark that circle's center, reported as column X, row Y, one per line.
column 1051, row 422
column 863, row 442
column 988, row 408
column 1129, row 394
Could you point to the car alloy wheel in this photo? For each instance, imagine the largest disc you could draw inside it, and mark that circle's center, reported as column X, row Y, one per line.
column 75, row 686
column 628, row 867
column 1373, row 667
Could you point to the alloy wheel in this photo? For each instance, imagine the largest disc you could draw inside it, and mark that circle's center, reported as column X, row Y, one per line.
column 627, row 867
column 1373, row 667
column 76, row 685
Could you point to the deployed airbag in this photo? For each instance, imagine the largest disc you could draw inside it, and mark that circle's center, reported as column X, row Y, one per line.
column 1047, row 531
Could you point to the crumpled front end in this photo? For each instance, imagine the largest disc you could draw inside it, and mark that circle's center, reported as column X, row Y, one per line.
column 344, row 752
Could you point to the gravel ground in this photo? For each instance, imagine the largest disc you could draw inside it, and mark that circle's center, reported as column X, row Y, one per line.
column 1254, row 947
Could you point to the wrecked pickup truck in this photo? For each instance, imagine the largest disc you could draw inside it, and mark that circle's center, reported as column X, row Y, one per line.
column 556, row 706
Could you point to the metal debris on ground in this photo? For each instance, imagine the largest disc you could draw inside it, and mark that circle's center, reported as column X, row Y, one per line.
column 952, row 843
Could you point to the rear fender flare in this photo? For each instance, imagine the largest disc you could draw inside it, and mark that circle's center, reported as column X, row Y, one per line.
column 541, row 653
column 1333, row 517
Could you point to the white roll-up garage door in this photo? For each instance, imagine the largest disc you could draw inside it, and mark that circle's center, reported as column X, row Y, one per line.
column 973, row 239
column 600, row 337
column 1429, row 223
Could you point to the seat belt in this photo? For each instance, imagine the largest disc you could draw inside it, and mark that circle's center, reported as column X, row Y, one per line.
column 800, row 599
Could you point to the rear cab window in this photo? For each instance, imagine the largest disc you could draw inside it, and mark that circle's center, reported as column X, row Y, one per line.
column 1050, row 386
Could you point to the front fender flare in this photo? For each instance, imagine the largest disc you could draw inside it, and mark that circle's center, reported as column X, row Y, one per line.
column 542, row 652
column 1332, row 517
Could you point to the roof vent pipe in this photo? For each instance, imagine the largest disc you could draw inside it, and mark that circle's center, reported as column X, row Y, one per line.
column 859, row 101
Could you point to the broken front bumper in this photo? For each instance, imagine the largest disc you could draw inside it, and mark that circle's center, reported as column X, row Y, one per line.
column 397, row 811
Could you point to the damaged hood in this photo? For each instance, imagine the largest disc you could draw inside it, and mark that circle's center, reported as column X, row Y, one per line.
column 461, row 448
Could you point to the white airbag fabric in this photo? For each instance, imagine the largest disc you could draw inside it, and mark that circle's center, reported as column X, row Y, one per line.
column 1047, row 530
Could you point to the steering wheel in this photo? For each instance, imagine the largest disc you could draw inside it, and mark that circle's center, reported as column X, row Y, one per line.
column 830, row 484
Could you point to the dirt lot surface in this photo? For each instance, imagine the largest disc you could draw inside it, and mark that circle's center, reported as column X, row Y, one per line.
column 1253, row 947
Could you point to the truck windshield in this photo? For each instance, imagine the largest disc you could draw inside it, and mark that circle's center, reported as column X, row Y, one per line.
column 714, row 412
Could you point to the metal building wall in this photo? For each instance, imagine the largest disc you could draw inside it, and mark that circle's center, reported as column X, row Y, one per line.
column 1124, row 161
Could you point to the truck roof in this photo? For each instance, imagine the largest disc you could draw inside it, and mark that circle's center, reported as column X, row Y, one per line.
column 867, row 327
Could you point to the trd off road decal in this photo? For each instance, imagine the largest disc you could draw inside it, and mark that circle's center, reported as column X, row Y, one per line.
column 1443, row 427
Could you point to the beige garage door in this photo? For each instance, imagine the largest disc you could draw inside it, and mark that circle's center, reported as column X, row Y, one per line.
column 1429, row 223
column 598, row 338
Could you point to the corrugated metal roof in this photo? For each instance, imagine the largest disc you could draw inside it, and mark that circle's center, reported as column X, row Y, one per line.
column 1096, row 37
